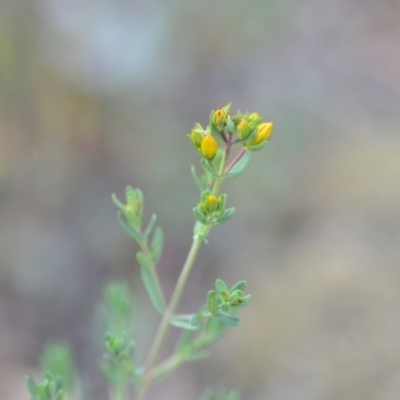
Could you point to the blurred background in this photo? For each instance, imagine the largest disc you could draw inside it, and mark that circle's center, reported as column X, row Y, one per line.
column 95, row 95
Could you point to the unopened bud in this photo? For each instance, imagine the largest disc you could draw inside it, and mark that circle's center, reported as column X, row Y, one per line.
column 264, row 132
column 211, row 202
column 196, row 138
column 243, row 129
column 254, row 121
column 219, row 118
column 209, row 147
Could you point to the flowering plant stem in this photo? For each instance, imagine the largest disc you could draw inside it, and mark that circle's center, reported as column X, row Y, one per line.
column 176, row 296
column 117, row 393
column 199, row 330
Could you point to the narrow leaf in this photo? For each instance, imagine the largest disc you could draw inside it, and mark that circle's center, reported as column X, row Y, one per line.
column 226, row 216
column 257, row 147
column 241, row 285
column 153, row 288
column 249, row 138
column 213, row 129
column 221, row 286
column 150, row 226
column 204, row 194
column 130, row 196
column 157, row 244
column 206, row 165
column 212, row 302
column 196, row 178
column 199, row 216
column 227, row 108
column 245, row 301
column 240, row 166
column 30, row 383
column 144, row 260
column 133, row 233
column 230, row 125
column 117, row 203
column 184, row 322
column 228, row 319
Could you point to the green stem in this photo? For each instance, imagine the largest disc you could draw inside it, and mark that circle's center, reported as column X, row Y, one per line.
column 117, row 392
column 167, row 366
column 164, row 325
column 239, row 155
column 176, row 296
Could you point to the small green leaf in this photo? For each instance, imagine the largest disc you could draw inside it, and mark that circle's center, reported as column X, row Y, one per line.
column 257, row 147
column 117, row 203
column 212, row 302
column 144, row 260
column 240, row 166
column 132, row 219
column 223, row 198
column 57, row 358
column 250, row 137
column 234, row 298
column 221, row 287
column 133, row 233
column 130, row 195
column 139, row 203
column 213, row 129
column 245, row 300
column 226, row 216
column 241, row 285
column 30, row 383
column 227, row 108
column 197, row 179
column 206, row 165
column 150, row 226
column 200, row 216
column 153, row 289
column 230, row 125
column 118, row 310
column 157, row 244
column 185, row 322
column 205, row 194
column 228, row 319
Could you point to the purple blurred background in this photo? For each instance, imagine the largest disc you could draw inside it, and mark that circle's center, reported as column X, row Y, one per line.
column 95, row 95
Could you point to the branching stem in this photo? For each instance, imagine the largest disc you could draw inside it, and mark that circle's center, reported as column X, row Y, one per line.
column 176, row 296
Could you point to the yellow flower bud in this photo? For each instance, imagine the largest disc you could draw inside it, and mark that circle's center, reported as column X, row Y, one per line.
column 254, row 120
column 243, row 129
column 255, row 117
column 211, row 202
column 196, row 138
column 264, row 132
column 219, row 118
column 209, row 147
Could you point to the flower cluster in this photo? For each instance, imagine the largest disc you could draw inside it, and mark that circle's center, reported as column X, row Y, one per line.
column 215, row 144
column 246, row 130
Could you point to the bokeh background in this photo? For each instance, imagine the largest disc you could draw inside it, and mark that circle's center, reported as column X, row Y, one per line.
column 95, row 95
